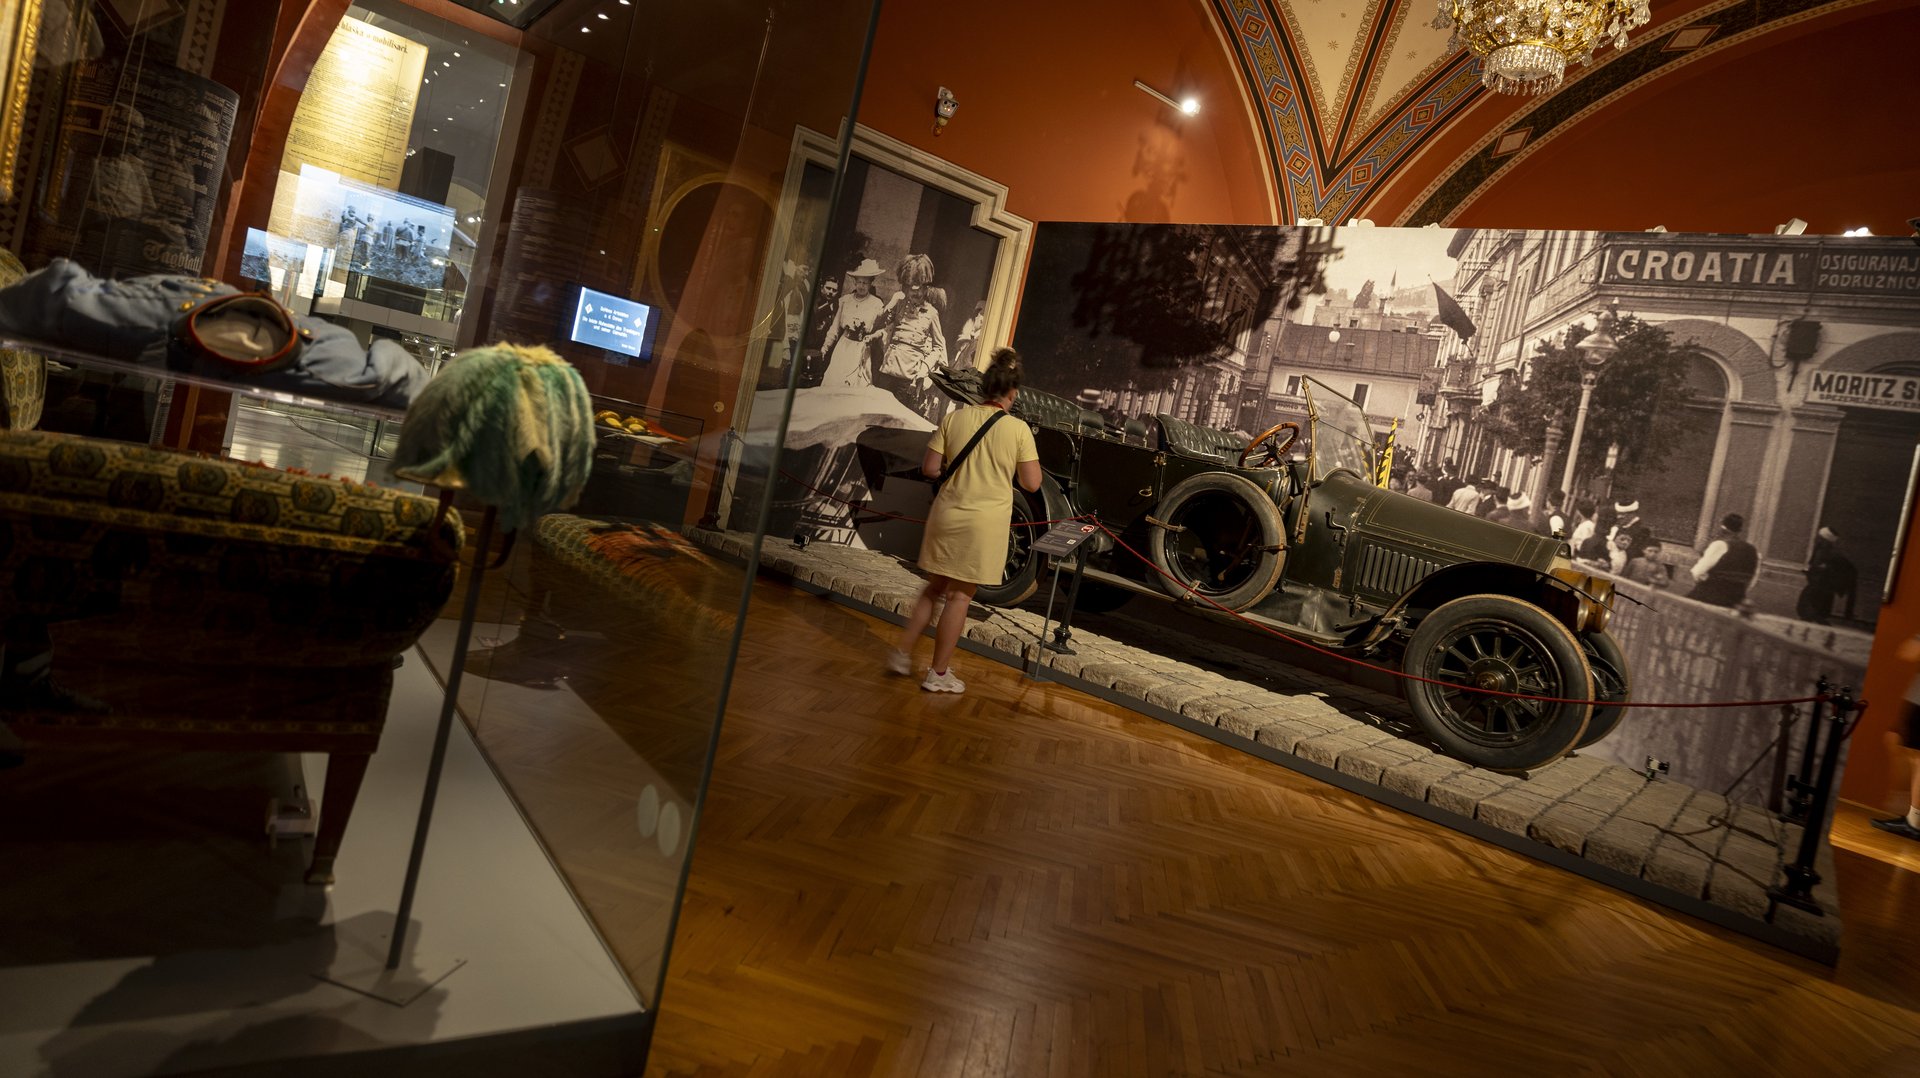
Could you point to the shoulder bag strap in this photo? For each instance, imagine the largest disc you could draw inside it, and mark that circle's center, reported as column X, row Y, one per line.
column 954, row 464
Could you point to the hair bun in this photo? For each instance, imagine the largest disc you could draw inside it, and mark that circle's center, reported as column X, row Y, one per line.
column 1002, row 374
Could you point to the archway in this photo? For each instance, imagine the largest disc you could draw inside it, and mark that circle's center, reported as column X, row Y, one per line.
column 1871, row 456
column 1672, row 491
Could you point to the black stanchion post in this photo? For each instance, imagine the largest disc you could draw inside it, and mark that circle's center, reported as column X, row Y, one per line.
column 1800, row 786
column 1801, row 874
column 1052, row 590
column 1063, row 632
column 1776, row 791
column 1822, row 687
column 1061, row 540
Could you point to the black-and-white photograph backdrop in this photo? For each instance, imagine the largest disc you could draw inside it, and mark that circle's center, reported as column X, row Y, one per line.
column 911, row 272
column 1722, row 425
column 1732, row 460
column 904, row 280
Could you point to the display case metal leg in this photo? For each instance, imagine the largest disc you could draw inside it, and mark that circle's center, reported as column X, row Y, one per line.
column 483, row 543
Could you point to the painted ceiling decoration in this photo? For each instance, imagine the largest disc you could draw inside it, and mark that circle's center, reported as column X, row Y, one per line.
column 1347, row 93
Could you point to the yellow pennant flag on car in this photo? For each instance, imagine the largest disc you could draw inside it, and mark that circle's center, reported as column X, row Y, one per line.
column 1384, row 471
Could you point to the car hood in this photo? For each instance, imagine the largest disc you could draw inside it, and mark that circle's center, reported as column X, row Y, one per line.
column 1417, row 524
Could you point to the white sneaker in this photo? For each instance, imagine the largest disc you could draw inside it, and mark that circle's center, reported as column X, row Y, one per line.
column 946, row 682
column 899, row 662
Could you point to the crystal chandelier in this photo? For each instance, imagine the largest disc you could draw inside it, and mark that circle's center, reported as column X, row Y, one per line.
column 1525, row 45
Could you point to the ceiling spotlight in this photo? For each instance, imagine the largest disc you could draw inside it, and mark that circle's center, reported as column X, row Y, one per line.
column 944, row 106
column 1187, row 107
column 602, row 15
column 1861, row 231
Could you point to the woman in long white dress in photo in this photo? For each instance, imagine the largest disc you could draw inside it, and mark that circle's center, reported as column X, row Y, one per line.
column 846, row 343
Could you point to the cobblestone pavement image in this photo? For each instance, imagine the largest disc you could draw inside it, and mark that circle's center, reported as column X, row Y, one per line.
column 1689, row 849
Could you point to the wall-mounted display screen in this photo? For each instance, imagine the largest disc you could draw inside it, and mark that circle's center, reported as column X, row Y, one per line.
column 616, row 324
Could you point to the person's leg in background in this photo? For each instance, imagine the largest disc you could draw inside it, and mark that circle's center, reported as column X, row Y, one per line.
column 953, row 622
column 1908, row 826
column 900, row 659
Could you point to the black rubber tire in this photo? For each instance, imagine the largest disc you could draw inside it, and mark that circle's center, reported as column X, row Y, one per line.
column 1226, row 540
column 1023, row 565
column 1498, row 642
column 1611, row 681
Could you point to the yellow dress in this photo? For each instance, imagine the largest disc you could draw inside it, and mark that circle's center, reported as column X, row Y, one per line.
column 966, row 536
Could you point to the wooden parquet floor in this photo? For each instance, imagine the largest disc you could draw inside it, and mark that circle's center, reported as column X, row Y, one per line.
column 1026, row 881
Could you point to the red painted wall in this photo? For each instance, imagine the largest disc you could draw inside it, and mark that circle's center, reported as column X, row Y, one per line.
column 1872, row 777
column 1048, row 106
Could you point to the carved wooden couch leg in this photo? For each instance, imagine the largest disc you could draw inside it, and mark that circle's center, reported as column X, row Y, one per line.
column 345, row 770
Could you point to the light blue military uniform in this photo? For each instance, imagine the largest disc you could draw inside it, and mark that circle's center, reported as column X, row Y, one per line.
column 134, row 319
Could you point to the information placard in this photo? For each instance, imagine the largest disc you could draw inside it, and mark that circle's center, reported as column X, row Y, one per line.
column 1062, row 538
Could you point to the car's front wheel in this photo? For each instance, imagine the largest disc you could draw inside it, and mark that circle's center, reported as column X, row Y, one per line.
column 1483, row 662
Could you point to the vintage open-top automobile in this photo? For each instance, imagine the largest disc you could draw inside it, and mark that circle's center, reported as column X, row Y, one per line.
column 1288, row 529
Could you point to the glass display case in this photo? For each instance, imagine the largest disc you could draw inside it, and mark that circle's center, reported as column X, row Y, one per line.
column 437, row 177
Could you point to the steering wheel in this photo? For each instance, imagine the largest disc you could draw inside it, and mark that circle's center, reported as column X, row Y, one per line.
column 1276, row 451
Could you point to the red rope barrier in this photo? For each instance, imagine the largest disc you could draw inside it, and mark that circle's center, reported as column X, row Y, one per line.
column 1402, row 674
column 1315, row 648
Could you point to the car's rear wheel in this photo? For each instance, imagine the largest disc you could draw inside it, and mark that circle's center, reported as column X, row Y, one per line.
column 1022, row 576
column 1507, row 646
column 1220, row 536
column 1610, row 683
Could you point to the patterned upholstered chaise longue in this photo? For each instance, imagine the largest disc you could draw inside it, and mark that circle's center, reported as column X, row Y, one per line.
column 213, row 605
